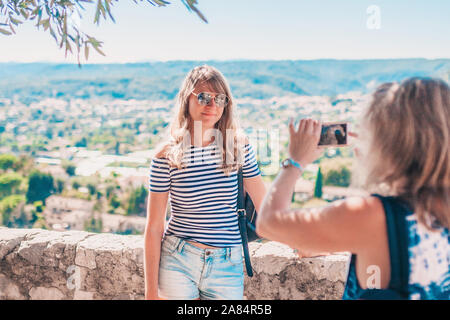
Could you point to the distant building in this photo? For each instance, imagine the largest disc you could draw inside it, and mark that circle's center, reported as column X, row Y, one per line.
column 116, row 223
column 332, row 193
column 133, row 181
column 73, row 220
column 55, row 170
column 49, row 161
column 58, row 204
column 63, row 213
column 304, row 190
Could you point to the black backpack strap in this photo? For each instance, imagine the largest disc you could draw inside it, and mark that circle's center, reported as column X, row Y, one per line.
column 242, row 220
column 241, row 193
column 397, row 231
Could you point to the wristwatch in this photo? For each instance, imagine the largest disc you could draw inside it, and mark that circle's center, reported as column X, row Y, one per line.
column 289, row 162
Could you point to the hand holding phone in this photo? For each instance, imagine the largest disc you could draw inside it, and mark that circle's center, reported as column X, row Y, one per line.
column 334, row 134
column 303, row 140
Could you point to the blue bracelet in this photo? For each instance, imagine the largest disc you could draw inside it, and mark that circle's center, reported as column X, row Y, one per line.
column 289, row 162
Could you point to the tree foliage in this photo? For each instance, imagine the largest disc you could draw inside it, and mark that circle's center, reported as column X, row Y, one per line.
column 7, row 161
column 93, row 225
column 59, row 18
column 8, row 206
column 319, row 183
column 9, row 182
column 136, row 202
column 40, row 186
column 337, row 171
column 339, row 178
column 70, row 168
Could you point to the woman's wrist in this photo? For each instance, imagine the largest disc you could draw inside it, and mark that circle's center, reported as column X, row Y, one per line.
column 300, row 160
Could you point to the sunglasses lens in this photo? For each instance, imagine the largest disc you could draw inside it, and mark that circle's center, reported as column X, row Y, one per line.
column 221, row 100
column 204, row 98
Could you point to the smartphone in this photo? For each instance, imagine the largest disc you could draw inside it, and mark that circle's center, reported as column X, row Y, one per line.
column 334, row 134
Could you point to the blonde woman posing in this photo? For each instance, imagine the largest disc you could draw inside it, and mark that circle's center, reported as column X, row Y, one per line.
column 199, row 254
column 400, row 240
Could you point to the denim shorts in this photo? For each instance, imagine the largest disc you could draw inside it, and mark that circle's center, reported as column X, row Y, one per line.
column 187, row 272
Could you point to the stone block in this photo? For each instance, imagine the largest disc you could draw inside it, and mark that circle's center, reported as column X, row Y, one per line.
column 9, row 290
column 44, row 264
column 43, row 293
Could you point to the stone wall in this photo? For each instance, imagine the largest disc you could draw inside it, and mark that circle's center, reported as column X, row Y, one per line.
column 40, row 264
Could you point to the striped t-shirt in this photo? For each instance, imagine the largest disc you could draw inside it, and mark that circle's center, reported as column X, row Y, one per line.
column 203, row 198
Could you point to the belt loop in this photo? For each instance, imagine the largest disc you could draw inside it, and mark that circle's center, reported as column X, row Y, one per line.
column 229, row 253
column 180, row 245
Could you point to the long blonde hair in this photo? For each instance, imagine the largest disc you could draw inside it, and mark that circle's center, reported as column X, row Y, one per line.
column 408, row 127
column 227, row 124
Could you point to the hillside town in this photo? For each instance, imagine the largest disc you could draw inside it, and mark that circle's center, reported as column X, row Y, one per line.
column 116, row 140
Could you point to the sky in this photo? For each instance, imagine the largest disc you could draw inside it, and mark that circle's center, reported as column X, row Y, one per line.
column 252, row 29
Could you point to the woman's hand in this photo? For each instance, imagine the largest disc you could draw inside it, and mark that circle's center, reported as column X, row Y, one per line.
column 303, row 142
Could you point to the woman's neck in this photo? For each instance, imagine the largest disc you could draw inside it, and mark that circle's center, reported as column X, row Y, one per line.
column 202, row 140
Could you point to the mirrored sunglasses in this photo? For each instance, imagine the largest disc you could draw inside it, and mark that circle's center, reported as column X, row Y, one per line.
column 204, row 99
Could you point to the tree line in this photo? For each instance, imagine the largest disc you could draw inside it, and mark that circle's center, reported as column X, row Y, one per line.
column 24, row 190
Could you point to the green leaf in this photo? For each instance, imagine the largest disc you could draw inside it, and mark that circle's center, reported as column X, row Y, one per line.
column 86, row 51
column 108, row 10
column 77, row 42
column 161, row 3
column 35, row 12
column 24, row 13
column 41, row 22
column 12, row 29
column 53, row 34
column 99, row 51
column 68, row 47
column 15, row 21
column 190, row 5
column 46, row 25
column 5, row 32
column 100, row 9
column 97, row 15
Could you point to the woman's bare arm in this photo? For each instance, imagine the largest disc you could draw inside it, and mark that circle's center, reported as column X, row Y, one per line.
column 346, row 225
column 357, row 225
column 343, row 226
column 156, row 213
column 256, row 189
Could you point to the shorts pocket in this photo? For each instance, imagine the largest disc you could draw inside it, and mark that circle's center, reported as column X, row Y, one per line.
column 236, row 257
column 169, row 245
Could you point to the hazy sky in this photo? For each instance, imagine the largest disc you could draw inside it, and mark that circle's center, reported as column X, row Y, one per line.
column 253, row 29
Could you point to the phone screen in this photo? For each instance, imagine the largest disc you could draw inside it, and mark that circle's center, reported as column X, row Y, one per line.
column 333, row 134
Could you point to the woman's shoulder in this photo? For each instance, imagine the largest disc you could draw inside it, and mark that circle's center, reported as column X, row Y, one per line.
column 162, row 150
column 362, row 210
column 373, row 203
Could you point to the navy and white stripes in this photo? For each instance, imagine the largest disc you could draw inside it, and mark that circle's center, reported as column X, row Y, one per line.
column 203, row 198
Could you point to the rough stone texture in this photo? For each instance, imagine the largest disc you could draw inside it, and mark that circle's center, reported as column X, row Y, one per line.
column 42, row 293
column 278, row 274
column 9, row 290
column 40, row 264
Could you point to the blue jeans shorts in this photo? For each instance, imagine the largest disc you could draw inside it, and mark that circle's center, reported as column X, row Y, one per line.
column 187, row 272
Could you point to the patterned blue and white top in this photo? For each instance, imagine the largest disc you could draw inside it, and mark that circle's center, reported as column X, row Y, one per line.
column 429, row 258
column 203, row 198
column 420, row 258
